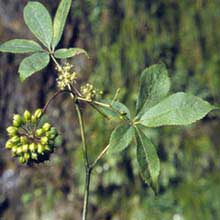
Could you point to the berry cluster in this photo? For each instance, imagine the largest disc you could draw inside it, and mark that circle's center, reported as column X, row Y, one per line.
column 67, row 76
column 30, row 141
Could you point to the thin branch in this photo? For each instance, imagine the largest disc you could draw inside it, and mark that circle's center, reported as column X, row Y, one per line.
column 86, row 194
column 53, row 97
column 99, row 156
column 86, row 161
column 99, row 111
column 82, row 131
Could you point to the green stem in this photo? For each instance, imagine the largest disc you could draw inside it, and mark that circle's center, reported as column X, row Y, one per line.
column 86, row 194
column 86, row 162
column 100, row 156
column 82, row 131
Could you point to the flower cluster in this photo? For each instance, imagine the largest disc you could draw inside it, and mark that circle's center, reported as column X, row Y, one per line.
column 89, row 92
column 30, row 141
column 67, row 76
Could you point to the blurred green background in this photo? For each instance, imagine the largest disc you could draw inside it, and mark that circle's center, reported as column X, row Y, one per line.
column 122, row 38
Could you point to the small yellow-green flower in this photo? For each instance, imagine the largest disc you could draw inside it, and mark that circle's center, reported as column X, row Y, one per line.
column 30, row 140
column 67, row 76
column 89, row 92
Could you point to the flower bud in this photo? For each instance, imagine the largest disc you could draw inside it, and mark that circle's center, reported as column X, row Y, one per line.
column 40, row 148
column 38, row 113
column 47, row 147
column 39, row 132
column 33, row 156
column 33, row 147
column 33, row 119
column 44, row 140
column 27, row 116
column 17, row 120
column 19, row 150
column 58, row 141
column 21, row 160
column 46, row 126
column 53, row 130
column 14, row 149
column 12, row 130
column 25, row 148
column 26, row 156
column 15, row 139
column 23, row 140
column 51, row 136
column 8, row 145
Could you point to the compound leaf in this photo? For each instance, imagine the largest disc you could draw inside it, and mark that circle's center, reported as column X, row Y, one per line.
column 32, row 64
column 177, row 109
column 20, row 46
column 67, row 53
column 120, row 138
column 60, row 20
column 154, row 86
column 148, row 160
column 38, row 20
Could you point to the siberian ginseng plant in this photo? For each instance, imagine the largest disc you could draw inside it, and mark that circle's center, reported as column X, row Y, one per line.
column 32, row 139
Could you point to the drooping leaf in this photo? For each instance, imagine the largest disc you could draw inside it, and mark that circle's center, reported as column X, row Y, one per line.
column 115, row 110
column 38, row 20
column 154, row 86
column 148, row 160
column 120, row 138
column 60, row 20
column 178, row 109
column 67, row 53
column 33, row 64
column 20, row 46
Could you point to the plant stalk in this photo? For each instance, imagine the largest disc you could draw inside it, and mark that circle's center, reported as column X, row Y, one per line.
column 86, row 163
column 86, row 194
column 76, row 96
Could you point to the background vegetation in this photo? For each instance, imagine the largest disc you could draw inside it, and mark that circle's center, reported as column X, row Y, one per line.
column 122, row 38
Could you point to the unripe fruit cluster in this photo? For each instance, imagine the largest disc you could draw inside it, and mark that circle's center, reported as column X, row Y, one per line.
column 29, row 141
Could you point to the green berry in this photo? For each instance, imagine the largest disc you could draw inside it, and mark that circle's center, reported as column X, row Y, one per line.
column 17, row 120
column 53, row 130
column 23, row 140
column 19, row 150
column 26, row 156
column 33, row 156
column 44, row 140
column 21, row 160
column 39, row 132
column 58, row 141
column 25, row 148
column 15, row 139
column 14, row 149
column 52, row 133
column 46, row 127
column 27, row 116
column 47, row 147
column 40, row 148
column 38, row 113
column 33, row 119
column 33, row 147
column 12, row 130
column 8, row 144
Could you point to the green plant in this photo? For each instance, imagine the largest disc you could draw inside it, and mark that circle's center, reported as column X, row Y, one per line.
column 154, row 106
